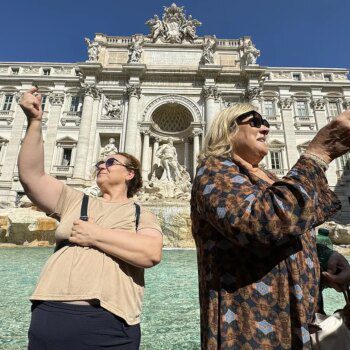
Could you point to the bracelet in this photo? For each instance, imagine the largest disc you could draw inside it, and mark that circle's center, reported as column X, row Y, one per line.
column 322, row 163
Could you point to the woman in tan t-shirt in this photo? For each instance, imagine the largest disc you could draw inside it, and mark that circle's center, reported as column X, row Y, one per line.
column 89, row 294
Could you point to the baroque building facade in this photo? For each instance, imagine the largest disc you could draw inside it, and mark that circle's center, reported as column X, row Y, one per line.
column 141, row 90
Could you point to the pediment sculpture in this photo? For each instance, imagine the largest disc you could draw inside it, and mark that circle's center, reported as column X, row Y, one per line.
column 174, row 26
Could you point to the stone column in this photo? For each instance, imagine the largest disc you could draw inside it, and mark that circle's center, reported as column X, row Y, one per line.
column 145, row 155
column 91, row 92
column 134, row 92
column 56, row 101
column 286, row 104
column 318, row 106
column 196, row 134
column 186, row 153
column 155, row 147
column 211, row 94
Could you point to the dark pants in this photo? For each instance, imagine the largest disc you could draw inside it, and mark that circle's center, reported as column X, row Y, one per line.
column 62, row 326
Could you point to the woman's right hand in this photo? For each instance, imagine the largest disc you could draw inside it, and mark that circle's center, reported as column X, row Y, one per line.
column 333, row 140
column 31, row 104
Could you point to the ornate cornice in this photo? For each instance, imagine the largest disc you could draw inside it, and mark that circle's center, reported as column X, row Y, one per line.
column 56, row 99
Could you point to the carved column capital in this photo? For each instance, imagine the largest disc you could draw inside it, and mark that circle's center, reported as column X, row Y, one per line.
column 286, row 102
column 133, row 90
column 145, row 131
column 318, row 104
column 211, row 92
column 346, row 103
column 252, row 93
column 91, row 90
column 197, row 132
column 56, row 99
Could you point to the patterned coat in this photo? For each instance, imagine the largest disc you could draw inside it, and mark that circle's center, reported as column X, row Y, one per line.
column 259, row 273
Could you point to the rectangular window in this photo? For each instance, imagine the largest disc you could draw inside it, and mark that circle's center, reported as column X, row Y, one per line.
column 296, row 76
column 74, row 104
column 301, row 108
column 327, row 77
column 269, row 108
column 7, row 102
column 43, row 101
column 276, row 159
column 67, row 156
column 15, row 71
column 46, row 71
column 333, row 109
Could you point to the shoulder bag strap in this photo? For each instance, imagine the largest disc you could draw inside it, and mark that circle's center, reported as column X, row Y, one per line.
column 84, row 207
column 137, row 215
column 83, row 216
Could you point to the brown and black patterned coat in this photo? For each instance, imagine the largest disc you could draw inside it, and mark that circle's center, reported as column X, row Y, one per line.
column 259, row 273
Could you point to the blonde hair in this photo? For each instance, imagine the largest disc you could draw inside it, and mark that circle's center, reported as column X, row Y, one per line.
column 217, row 140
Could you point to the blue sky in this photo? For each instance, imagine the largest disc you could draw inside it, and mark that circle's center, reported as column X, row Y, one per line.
column 310, row 33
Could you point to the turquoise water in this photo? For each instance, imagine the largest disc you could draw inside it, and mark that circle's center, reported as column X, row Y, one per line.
column 170, row 317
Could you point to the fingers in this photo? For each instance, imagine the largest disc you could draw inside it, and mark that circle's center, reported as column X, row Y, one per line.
column 341, row 278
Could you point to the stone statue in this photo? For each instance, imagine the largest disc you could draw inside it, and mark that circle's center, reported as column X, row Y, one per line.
column 251, row 53
column 189, row 28
column 208, row 51
column 109, row 149
column 168, row 158
column 174, row 27
column 111, row 110
column 135, row 49
column 93, row 50
column 156, row 26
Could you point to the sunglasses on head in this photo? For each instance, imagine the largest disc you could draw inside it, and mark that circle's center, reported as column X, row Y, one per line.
column 255, row 122
column 109, row 162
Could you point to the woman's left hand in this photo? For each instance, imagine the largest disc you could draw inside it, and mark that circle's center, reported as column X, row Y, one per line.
column 83, row 232
column 337, row 275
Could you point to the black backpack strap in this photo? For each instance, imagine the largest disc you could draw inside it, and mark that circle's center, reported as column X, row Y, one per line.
column 83, row 216
column 84, row 207
column 137, row 214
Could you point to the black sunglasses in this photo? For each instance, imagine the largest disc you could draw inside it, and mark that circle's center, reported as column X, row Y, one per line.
column 109, row 162
column 255, row 122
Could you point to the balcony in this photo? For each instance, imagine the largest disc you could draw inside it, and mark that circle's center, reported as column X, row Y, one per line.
column 71, row 118
column 304, row 121
column 62, row 170
column 274, row 121
column 6, row 117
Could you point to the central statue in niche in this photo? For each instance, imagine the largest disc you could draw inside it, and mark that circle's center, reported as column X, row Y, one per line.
column 168, row 158
column 169, row 179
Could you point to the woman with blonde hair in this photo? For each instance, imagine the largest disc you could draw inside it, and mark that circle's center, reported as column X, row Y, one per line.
column 259, row 274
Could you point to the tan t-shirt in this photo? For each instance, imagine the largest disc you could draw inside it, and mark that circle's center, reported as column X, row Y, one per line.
column 84, row 273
